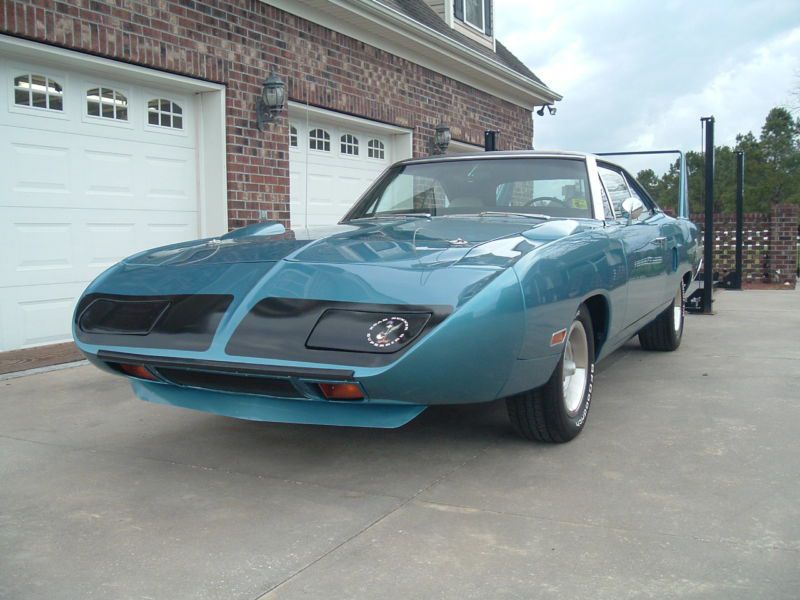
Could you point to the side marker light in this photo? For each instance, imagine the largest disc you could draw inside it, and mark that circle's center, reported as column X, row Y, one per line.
column 558, row 337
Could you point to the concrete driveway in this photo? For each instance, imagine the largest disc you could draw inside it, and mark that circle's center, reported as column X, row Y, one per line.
column 685, row 483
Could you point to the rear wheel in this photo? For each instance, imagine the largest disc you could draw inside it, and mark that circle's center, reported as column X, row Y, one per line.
column 665, row 333
column 557, row 411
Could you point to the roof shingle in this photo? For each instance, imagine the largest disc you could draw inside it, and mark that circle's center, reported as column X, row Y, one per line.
column 419, row 11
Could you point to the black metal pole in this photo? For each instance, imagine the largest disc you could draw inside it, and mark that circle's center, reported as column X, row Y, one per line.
column 708, row 253
column 739, row 217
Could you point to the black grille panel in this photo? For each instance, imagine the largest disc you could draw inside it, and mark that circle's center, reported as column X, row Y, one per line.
column 231, row 382
column 178, row 322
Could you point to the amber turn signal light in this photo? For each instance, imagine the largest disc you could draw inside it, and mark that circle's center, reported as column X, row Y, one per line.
column 139, row 371
column 558, row 337
column 341, row 391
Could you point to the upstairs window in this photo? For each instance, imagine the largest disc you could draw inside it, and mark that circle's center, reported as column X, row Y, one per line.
column 106, row 104
column 375, row 149
column 349, row 144
column 38, row 91
column 475, row 13
column 319, row 139
column 164, row 113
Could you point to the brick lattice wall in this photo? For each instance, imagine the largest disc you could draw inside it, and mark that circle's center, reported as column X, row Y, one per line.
column 238, row 43
column 769, row 248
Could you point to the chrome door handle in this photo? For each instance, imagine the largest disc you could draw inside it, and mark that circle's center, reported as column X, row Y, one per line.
column 661, row 241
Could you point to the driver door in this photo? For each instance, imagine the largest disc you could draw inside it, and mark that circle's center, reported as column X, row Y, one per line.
column 643, row 243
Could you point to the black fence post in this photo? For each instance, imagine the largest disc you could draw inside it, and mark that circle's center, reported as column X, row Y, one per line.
column 737, row 284
column 708, row 253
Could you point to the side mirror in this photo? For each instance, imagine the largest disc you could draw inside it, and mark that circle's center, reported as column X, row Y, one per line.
column 632, row 208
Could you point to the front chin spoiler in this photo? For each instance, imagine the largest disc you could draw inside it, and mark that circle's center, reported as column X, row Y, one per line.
column 280, row 410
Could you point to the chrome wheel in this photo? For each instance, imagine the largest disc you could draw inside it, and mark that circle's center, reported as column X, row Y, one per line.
column 677, row 310
column 575, row 368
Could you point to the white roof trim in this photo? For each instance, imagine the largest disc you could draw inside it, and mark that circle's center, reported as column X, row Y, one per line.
column 383, row 27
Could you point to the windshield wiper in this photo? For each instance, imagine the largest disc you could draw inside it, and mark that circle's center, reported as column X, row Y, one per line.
column 497, row 213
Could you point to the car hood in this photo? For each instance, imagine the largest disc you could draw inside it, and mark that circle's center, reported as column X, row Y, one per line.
column 409, row 261
column 409, row 241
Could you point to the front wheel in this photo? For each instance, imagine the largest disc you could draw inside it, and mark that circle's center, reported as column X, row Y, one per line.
column 557, row 411
column 666, row 332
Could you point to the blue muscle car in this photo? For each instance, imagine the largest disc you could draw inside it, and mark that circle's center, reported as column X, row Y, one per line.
column 452, row 280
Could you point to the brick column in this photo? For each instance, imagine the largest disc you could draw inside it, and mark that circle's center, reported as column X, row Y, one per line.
column 783, row 243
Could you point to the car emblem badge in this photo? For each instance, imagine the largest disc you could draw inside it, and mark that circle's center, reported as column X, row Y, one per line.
column 387, row 332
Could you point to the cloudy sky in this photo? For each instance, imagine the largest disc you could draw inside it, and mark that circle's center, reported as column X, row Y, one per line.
column 639, row 74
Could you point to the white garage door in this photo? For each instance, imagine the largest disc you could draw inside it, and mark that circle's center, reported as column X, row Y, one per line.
column 91, row 170
column 330, row 166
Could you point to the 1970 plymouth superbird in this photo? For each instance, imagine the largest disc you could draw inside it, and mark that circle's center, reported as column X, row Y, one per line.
column 451, row 280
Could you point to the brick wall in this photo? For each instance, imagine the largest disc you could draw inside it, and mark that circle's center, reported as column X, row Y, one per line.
column 769, row 246
column 238, row 43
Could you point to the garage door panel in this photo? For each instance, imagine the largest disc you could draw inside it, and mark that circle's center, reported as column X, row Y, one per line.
column 95, row 174
column 35, row 315
column 111, row 242
column 39, row 245
column 175, row 226
column 34, row 168
column 107, row 175
column 45, row 320
column 63, row 245
column 166, row 178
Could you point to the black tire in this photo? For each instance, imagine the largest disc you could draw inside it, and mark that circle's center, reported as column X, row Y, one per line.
column 666, row 332
column 542, row 414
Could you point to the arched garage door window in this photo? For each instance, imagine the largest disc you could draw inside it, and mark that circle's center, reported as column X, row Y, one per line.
column 319, row 139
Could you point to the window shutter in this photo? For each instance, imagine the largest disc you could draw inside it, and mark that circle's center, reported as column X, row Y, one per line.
column 458, row 9
column 487, row 17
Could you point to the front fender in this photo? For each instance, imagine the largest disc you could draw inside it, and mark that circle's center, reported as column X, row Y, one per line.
column 468, row 358
column 558, row 277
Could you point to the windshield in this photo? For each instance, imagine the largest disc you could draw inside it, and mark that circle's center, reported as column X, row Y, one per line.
column 554, row 187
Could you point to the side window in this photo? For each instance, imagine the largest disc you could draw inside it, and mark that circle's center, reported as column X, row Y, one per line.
column 637, row 192
column 609, row 214
column 616, row 187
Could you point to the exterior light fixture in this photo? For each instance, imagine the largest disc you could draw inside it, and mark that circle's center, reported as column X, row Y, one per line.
column 271, row 101
column 441, row 138
column 550, row 108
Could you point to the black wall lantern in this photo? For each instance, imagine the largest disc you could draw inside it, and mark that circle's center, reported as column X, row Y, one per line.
column 271, row 101
column 550, row 108
column 441, row 138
